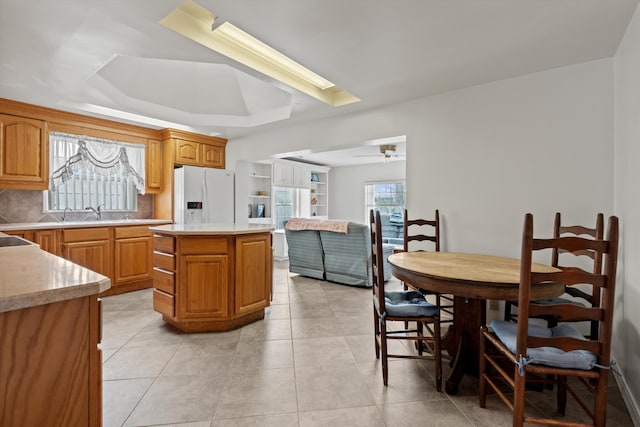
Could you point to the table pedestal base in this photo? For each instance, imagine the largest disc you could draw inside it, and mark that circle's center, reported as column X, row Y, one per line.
column 462, row 339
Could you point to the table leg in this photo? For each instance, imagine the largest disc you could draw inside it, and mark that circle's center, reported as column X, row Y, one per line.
column 462, row 340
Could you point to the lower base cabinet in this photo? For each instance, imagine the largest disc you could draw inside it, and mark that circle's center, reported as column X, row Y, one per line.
column 50, row 365
column 212, row 283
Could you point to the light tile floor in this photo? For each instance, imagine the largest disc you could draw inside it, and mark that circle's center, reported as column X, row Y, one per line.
column 309, row 363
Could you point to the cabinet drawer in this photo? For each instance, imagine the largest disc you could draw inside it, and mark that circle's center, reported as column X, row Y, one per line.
column 203, row 246
column 164, row 280
column 132, row 231
column 164, row 303
column 164, row 261
column 163, row 244
column 85, row 234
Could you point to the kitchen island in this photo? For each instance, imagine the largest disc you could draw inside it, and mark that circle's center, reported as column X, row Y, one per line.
column 50, row 363
column 211, row 277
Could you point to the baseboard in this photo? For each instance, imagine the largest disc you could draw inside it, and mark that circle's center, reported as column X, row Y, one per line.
column 632, row 404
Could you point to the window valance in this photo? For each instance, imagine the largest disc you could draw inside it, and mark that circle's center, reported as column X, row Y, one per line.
column 71, row 153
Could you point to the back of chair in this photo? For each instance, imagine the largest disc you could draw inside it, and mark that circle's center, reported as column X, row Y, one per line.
column 377, row 261
column 597, row 233
column 418, row 226
column 570, row 276
column 578, row 230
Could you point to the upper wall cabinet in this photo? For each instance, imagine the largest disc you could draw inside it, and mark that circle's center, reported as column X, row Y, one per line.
column 24, row 158
column 196, row 153
column 213, row 156
column 290, row 174
column 154, row 166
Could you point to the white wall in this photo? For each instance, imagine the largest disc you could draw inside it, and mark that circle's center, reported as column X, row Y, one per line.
column 346, row 187
column 627, row 205
column 485, row 155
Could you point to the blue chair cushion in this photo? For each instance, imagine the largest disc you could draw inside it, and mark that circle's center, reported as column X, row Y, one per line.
column 549, row 356
column 408, row 304
column 557, row 301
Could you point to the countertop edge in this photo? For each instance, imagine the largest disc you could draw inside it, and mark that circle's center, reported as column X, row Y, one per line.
column 33, row 299
column 80, row 224
column 209, row 232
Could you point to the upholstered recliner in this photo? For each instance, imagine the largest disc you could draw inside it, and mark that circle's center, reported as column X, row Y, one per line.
column 337, row 257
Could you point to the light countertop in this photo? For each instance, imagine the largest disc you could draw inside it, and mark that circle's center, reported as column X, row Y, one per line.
column 80, row 224
column 30, row 276
column 212, row 229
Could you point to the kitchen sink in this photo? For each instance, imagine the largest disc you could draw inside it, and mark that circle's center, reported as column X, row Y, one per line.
column 13, row 241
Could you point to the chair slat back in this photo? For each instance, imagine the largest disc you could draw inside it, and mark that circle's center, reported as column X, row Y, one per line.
column 377, row 261
column 592, row 295
column 602, row 313
column 423, row 229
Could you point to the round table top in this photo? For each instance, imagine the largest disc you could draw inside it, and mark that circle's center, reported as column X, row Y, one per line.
column 468, row 275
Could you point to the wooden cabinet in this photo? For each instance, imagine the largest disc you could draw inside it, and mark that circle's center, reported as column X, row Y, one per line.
column 204, row 291
column 132, row 255
column 213, row 156
column 164, row 281
column 184, row 148
column 89, row 247
column 124, row 253
column 24, row 153
column 253, row 272
column 197, row 288
column 154, row 166
column 48, row 240
column 188, row 153
column 199, row 154
column 50, row 364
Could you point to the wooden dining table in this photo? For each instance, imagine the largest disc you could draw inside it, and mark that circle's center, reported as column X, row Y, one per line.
column 472, row 279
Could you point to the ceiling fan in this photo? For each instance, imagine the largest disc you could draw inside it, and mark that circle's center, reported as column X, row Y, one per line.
column 387, row 151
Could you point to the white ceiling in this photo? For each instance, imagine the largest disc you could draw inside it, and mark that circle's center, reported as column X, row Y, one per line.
column 383, row 52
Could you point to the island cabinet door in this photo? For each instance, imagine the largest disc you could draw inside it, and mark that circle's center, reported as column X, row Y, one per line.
column 253, row 272
column 204, row 287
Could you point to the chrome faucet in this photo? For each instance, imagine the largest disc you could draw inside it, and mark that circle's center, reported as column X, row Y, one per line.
column 64, row 214
column 97, row 211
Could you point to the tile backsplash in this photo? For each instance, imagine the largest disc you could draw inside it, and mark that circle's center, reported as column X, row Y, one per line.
column 26, row 206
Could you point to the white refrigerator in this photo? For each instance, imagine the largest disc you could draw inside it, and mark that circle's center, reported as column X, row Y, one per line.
column 203, row 195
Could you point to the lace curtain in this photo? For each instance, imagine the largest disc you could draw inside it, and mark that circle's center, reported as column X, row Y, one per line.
column 71, row 153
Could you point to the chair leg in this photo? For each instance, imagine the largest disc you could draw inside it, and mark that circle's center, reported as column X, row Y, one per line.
column 561, row 398
column 482, row 385
column 376, row 329
column 383, row 348
column 600, row 408
column 518, row 399
column 437, row 354
column 420, row 332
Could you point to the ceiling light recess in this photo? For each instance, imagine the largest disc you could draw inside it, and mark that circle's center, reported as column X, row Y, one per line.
column 197, row 23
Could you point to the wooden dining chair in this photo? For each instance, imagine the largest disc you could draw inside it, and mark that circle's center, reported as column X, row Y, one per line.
column 580, row 296
column 558, row 352
column 420, row 230
column 398, row 307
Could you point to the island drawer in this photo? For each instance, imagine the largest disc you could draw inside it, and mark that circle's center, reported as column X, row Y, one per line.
column 163, row 280
column 163, row 303
column 163, row 243
column 204, row 245
column 164, row 261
